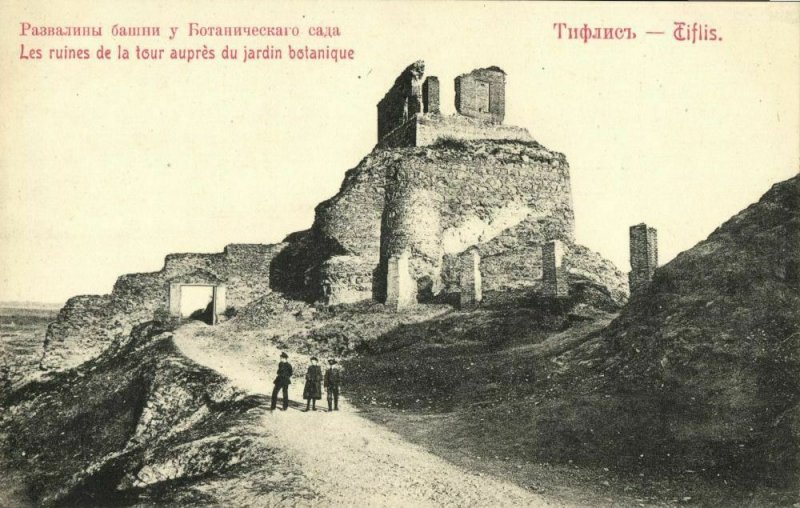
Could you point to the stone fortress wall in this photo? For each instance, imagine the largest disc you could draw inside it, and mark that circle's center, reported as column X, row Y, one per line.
column 89, row 324
column 438, row 195
column 504, row 198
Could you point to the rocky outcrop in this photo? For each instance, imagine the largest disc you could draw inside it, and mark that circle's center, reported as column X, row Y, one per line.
column 138, row 422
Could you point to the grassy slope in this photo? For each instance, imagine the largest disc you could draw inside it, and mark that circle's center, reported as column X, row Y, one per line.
column 714, row 343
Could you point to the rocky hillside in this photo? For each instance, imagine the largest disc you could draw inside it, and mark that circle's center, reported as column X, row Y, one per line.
column 694, row 388
column 141, row 423
column 714, row 342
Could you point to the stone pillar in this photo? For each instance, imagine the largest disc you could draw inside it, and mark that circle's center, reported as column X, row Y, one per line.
column 175, row 300
column 400, row 292
column 554, row 276
column 430, row 94
column 219, row 302
column 644, row 256
column 471, row 293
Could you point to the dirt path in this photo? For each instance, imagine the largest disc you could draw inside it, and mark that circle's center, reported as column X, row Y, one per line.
column 346, row 458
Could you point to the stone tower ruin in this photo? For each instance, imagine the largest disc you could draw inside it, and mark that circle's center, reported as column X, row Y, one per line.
column 644, row 256
column 409, row 114
column 446, row 208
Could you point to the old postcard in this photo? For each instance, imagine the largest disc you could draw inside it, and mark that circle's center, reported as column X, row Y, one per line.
column 399, row 254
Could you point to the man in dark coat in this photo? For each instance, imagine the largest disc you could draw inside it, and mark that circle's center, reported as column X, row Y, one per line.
column 332, row 380
column 312, row 392
column 282, row 382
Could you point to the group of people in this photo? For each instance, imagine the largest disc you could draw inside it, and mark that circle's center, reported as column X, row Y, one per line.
column 312, row 391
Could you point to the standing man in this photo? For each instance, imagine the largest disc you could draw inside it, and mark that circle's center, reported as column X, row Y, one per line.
column 282, row 382
column 332, row 378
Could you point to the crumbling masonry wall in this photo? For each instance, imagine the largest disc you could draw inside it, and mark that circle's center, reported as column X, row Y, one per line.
column 403, row 100
column 482, row 94
column 412, row 216
column 505, row 198
column 87, row 325
column 425, row 130
column 346, row 279
column 409, row 113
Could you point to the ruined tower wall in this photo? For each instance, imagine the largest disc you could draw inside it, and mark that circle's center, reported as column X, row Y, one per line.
column 412, row 215
column 424, row 130
column 351, row 220
column 345, row 236
column 347, row 279
column 507, row 198
column 403, row 100
column 482, row 94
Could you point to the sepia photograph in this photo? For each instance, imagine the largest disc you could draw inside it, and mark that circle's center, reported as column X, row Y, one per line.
column 399, row 254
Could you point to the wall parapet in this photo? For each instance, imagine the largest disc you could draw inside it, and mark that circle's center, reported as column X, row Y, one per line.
column 427, row 129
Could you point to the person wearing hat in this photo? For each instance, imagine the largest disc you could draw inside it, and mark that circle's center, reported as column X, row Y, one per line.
column 282, row 382
column 313, row 389
column 332, row 377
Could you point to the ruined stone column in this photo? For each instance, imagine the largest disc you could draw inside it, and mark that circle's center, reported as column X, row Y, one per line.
column 400, row 287
column 554, row 277
column 175, row 300
column 471, row 293
column 644, row 256
column 220, row 293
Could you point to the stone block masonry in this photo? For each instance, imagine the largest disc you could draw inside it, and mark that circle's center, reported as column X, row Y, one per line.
column 400, row 287
column 482, row 94
column 346, row 279
column 430, row 94
column 644, row 256
column 471, row 293
column 504, row 197
column 554, row 277
column 90, row 324
column 425, row 130
column 409, row 113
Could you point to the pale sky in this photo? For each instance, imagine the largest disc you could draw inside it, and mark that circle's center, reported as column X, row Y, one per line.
column 106, row 167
